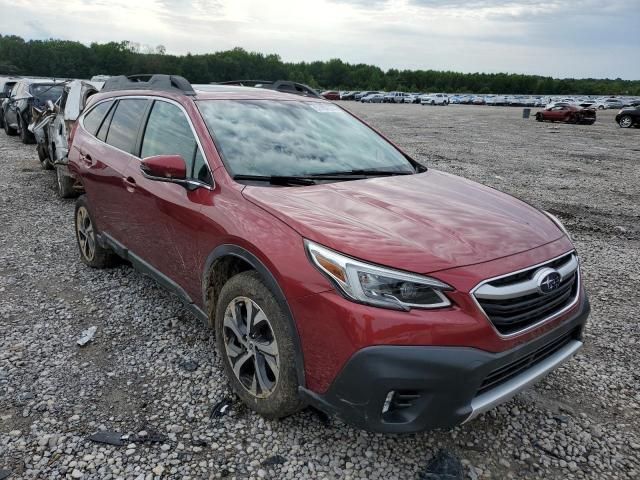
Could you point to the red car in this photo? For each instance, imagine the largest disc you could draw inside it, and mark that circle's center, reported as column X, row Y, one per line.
column 331, row 95
column 335, row 270
column 567, row 113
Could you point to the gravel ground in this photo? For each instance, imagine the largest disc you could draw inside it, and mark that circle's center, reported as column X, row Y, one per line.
column 151, row 371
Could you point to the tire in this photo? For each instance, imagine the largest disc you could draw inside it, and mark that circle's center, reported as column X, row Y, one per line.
column 626, row 121
column 1, row 120
column 43, row 156
column 91, row 252
column 600, row 107
column 26, row 136
column 9, row 130
column 64, row 183
column 276, row 394
column 539, row 117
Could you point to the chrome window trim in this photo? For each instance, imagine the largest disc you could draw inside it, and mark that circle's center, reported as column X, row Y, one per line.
column 535, row 325
column 163, row 99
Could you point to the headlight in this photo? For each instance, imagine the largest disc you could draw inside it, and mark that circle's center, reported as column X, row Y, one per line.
column 379, row 286
column 558, row 223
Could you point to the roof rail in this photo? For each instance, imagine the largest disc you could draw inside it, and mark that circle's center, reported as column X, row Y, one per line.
column 168, row 83
column 285, row 86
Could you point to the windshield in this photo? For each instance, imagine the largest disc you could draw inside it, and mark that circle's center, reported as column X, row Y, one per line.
column 47, row 92
column 290, row 138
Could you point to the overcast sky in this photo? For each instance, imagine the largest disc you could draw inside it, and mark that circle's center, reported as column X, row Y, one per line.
column 580, row 38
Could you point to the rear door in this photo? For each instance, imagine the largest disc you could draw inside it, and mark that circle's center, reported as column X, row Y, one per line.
column 103, row 153
column 165, row 217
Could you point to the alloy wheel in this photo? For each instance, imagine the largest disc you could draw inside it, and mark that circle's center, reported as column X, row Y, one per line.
column 86, row 234
column 251, row 347
column 625, row 122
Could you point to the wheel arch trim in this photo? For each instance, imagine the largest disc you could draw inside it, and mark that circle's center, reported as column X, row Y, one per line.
column 231, row 250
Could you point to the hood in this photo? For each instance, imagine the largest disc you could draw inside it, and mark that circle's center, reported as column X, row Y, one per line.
column 420, row 223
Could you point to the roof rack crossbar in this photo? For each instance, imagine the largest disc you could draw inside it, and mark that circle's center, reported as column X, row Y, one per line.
column 149, row 82
column 280, row 85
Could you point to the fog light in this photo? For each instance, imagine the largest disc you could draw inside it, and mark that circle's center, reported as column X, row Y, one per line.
column 387, row 401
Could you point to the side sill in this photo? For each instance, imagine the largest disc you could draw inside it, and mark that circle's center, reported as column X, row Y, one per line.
column 144, row 267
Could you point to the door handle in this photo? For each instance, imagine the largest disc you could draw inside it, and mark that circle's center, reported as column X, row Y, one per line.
column 130, row 184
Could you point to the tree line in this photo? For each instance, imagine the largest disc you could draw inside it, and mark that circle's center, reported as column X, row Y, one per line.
column 69, row 59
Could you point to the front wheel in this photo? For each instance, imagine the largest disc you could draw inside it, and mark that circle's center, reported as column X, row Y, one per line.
column 539, row 117
column 625, row 121
column 255, row 342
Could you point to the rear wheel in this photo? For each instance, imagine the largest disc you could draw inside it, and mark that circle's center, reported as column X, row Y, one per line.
column 625, row 121
column 43, row 155
column 91, row 252
column 26, row 136
column 254, row 340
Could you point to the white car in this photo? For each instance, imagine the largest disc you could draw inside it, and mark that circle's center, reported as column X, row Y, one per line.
column 395, row 97
column 434, row 99
column 608, row 103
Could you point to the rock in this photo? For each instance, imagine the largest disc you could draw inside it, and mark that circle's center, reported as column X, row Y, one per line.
column 444, row 466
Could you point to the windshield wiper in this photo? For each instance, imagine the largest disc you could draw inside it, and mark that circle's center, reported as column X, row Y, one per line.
column 313, row 178
column 365, row 173
column 277, row 179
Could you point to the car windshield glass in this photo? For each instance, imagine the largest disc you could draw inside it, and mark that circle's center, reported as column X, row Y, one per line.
column 290, row 138
column 47, row 92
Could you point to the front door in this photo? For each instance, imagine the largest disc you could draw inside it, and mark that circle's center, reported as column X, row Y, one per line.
column 168, row 214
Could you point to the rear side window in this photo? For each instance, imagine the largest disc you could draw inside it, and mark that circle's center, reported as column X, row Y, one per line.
column 168, row 133
column 123, row 130
column 93, row 119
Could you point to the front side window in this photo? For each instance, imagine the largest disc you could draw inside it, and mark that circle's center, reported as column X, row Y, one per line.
column 123, row 129
column 168, row 133
column 294, row 138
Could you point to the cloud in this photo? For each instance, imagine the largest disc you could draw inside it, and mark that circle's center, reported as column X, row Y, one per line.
column 581, row 38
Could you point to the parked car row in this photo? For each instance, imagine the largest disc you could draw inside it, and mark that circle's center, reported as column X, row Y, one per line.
column 599, row 103
column 317, row 294
column 43, row 111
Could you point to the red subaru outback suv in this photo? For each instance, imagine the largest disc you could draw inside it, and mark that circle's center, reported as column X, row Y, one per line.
column 335, row 270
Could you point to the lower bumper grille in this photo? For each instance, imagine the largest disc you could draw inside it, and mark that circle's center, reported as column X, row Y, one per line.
column 505, row 372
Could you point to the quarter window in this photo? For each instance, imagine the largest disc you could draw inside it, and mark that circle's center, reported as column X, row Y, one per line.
column 168, row 133
column 123, row 130
column 93, row 119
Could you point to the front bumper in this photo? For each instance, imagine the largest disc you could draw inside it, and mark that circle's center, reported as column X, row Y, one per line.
column 440, row 387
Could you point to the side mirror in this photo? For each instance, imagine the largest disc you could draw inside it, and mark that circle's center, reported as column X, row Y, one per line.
column 50, row 106
column 165, row 168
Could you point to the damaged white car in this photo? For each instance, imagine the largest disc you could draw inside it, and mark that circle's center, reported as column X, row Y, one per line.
column 53, row 126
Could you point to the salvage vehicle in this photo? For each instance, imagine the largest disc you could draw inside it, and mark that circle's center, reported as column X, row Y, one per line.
column 629, row 116
column 331, row 95
column 51, row 130
column 6, row 85
column 27, row 95
column 373, row 98
column 336, row 270
column 434, row 99
column 609, row 104
column 566, row 113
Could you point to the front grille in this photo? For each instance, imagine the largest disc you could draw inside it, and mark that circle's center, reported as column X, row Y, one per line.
column 504, row 373
column 513, row 302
